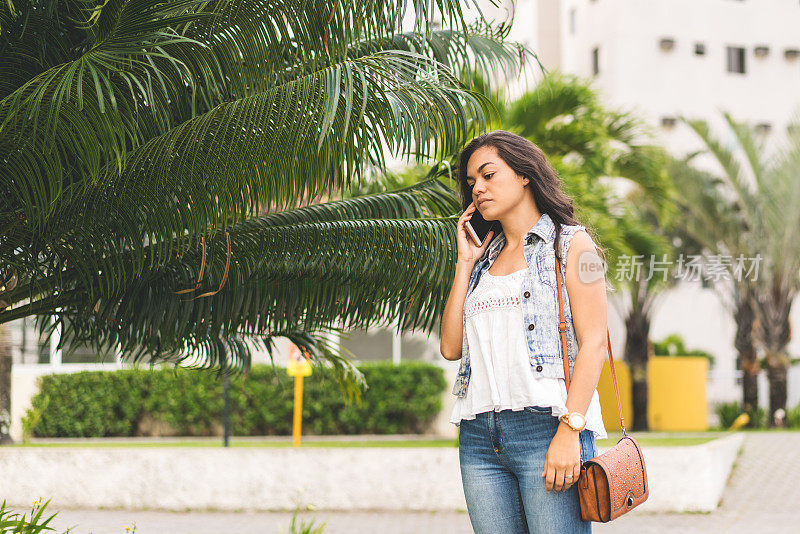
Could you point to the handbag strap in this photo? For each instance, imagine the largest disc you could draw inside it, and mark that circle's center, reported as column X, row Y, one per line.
column 562, row 328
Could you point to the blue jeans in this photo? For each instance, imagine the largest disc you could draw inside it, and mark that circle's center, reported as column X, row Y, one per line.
column 505, row 491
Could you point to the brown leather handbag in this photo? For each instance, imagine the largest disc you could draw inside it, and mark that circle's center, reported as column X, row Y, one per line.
column 614, row 482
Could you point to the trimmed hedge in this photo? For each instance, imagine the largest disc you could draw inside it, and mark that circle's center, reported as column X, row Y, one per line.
column 189, row 402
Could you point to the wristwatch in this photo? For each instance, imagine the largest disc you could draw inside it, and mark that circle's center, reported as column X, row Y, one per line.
column 575, row 420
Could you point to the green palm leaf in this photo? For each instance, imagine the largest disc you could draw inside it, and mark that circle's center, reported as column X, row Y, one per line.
column 297, row 271
column 226, row 162
column 138, row 138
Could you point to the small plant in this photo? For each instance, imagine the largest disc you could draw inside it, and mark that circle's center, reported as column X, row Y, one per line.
column 13, row 522
column 793, row 417
column 758, row 417
column 727, row 413
column 304, row 528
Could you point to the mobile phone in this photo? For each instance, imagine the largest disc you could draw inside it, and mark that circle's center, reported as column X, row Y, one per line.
column 478, row 227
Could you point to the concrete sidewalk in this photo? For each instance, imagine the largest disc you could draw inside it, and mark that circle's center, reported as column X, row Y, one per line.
column 761, row 497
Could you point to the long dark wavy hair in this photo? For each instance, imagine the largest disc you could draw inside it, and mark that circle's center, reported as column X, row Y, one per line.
column 527, row 160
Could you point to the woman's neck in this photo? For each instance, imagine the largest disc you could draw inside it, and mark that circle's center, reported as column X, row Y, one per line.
column 517, row 223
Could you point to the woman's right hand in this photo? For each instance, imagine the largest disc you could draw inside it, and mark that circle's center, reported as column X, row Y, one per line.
column 468, row 251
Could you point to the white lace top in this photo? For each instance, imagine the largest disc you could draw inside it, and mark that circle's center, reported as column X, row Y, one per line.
column 502, row 377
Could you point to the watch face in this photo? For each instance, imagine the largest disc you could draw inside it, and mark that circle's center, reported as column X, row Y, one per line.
column 576, row 420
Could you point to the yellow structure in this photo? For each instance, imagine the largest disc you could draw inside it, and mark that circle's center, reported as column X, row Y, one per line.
column 298, row 367
column 608, row 402
column 676, row 394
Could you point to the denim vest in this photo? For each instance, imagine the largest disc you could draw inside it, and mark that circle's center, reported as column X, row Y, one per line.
column 539, row 300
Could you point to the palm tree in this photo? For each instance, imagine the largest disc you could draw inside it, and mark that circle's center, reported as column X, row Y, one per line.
column 714, row 221
column 644, row 284
column 170, row 169
column 599, row 152
column 766, row 200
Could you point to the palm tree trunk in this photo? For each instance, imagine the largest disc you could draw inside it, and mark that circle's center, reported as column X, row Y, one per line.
column 6, row 362
column 637, row 355
column 747, row 357
column 777, row 370
column 775, row 331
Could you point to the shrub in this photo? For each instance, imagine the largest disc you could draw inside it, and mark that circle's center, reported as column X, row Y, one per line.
column 17, row 523
column 758, row 417
column 793, row 417
column 135, row 402
column 727, row 413
column 673, row 345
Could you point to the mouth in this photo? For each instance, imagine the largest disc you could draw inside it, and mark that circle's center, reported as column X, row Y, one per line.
column 484, row 201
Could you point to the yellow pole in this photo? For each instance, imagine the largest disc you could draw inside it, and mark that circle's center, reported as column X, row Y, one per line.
column 298, row 409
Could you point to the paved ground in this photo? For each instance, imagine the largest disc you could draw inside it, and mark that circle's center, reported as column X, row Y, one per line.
column 763, row 496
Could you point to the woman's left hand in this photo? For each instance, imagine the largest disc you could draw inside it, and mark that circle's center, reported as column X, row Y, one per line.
column 563, row 459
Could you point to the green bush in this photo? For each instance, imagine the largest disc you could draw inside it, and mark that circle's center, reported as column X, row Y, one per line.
column 727, row 413
column 673, row 345
column 793, row 417
column 14, row 522
column 132, row 402
column 758, row 417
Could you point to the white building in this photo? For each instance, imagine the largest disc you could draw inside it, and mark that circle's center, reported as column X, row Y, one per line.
column 663, row 59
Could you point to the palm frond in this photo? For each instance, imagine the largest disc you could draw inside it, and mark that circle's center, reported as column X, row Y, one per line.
column 94, row 275
column 711, row 218
column 300, row 276
column 751, row 147
column 136, row 151
column 781, row 197
column 214, row 170
column 731, row 170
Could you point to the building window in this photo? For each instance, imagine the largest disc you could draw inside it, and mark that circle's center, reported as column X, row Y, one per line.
column 596, row 60
column 668, row 122
column 736, row 59
column 667, row 44
column 699, row 49
column 763, row 128
column 761, row 51
column 572, row 22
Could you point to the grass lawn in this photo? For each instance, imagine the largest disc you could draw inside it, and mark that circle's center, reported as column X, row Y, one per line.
column 655, row 439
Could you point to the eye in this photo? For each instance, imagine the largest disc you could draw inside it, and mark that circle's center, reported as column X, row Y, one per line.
column 489, row 175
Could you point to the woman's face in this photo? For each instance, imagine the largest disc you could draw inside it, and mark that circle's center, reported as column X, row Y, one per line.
column 496, row 188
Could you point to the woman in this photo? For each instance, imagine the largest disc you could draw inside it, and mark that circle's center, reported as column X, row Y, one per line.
column 519, row 459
